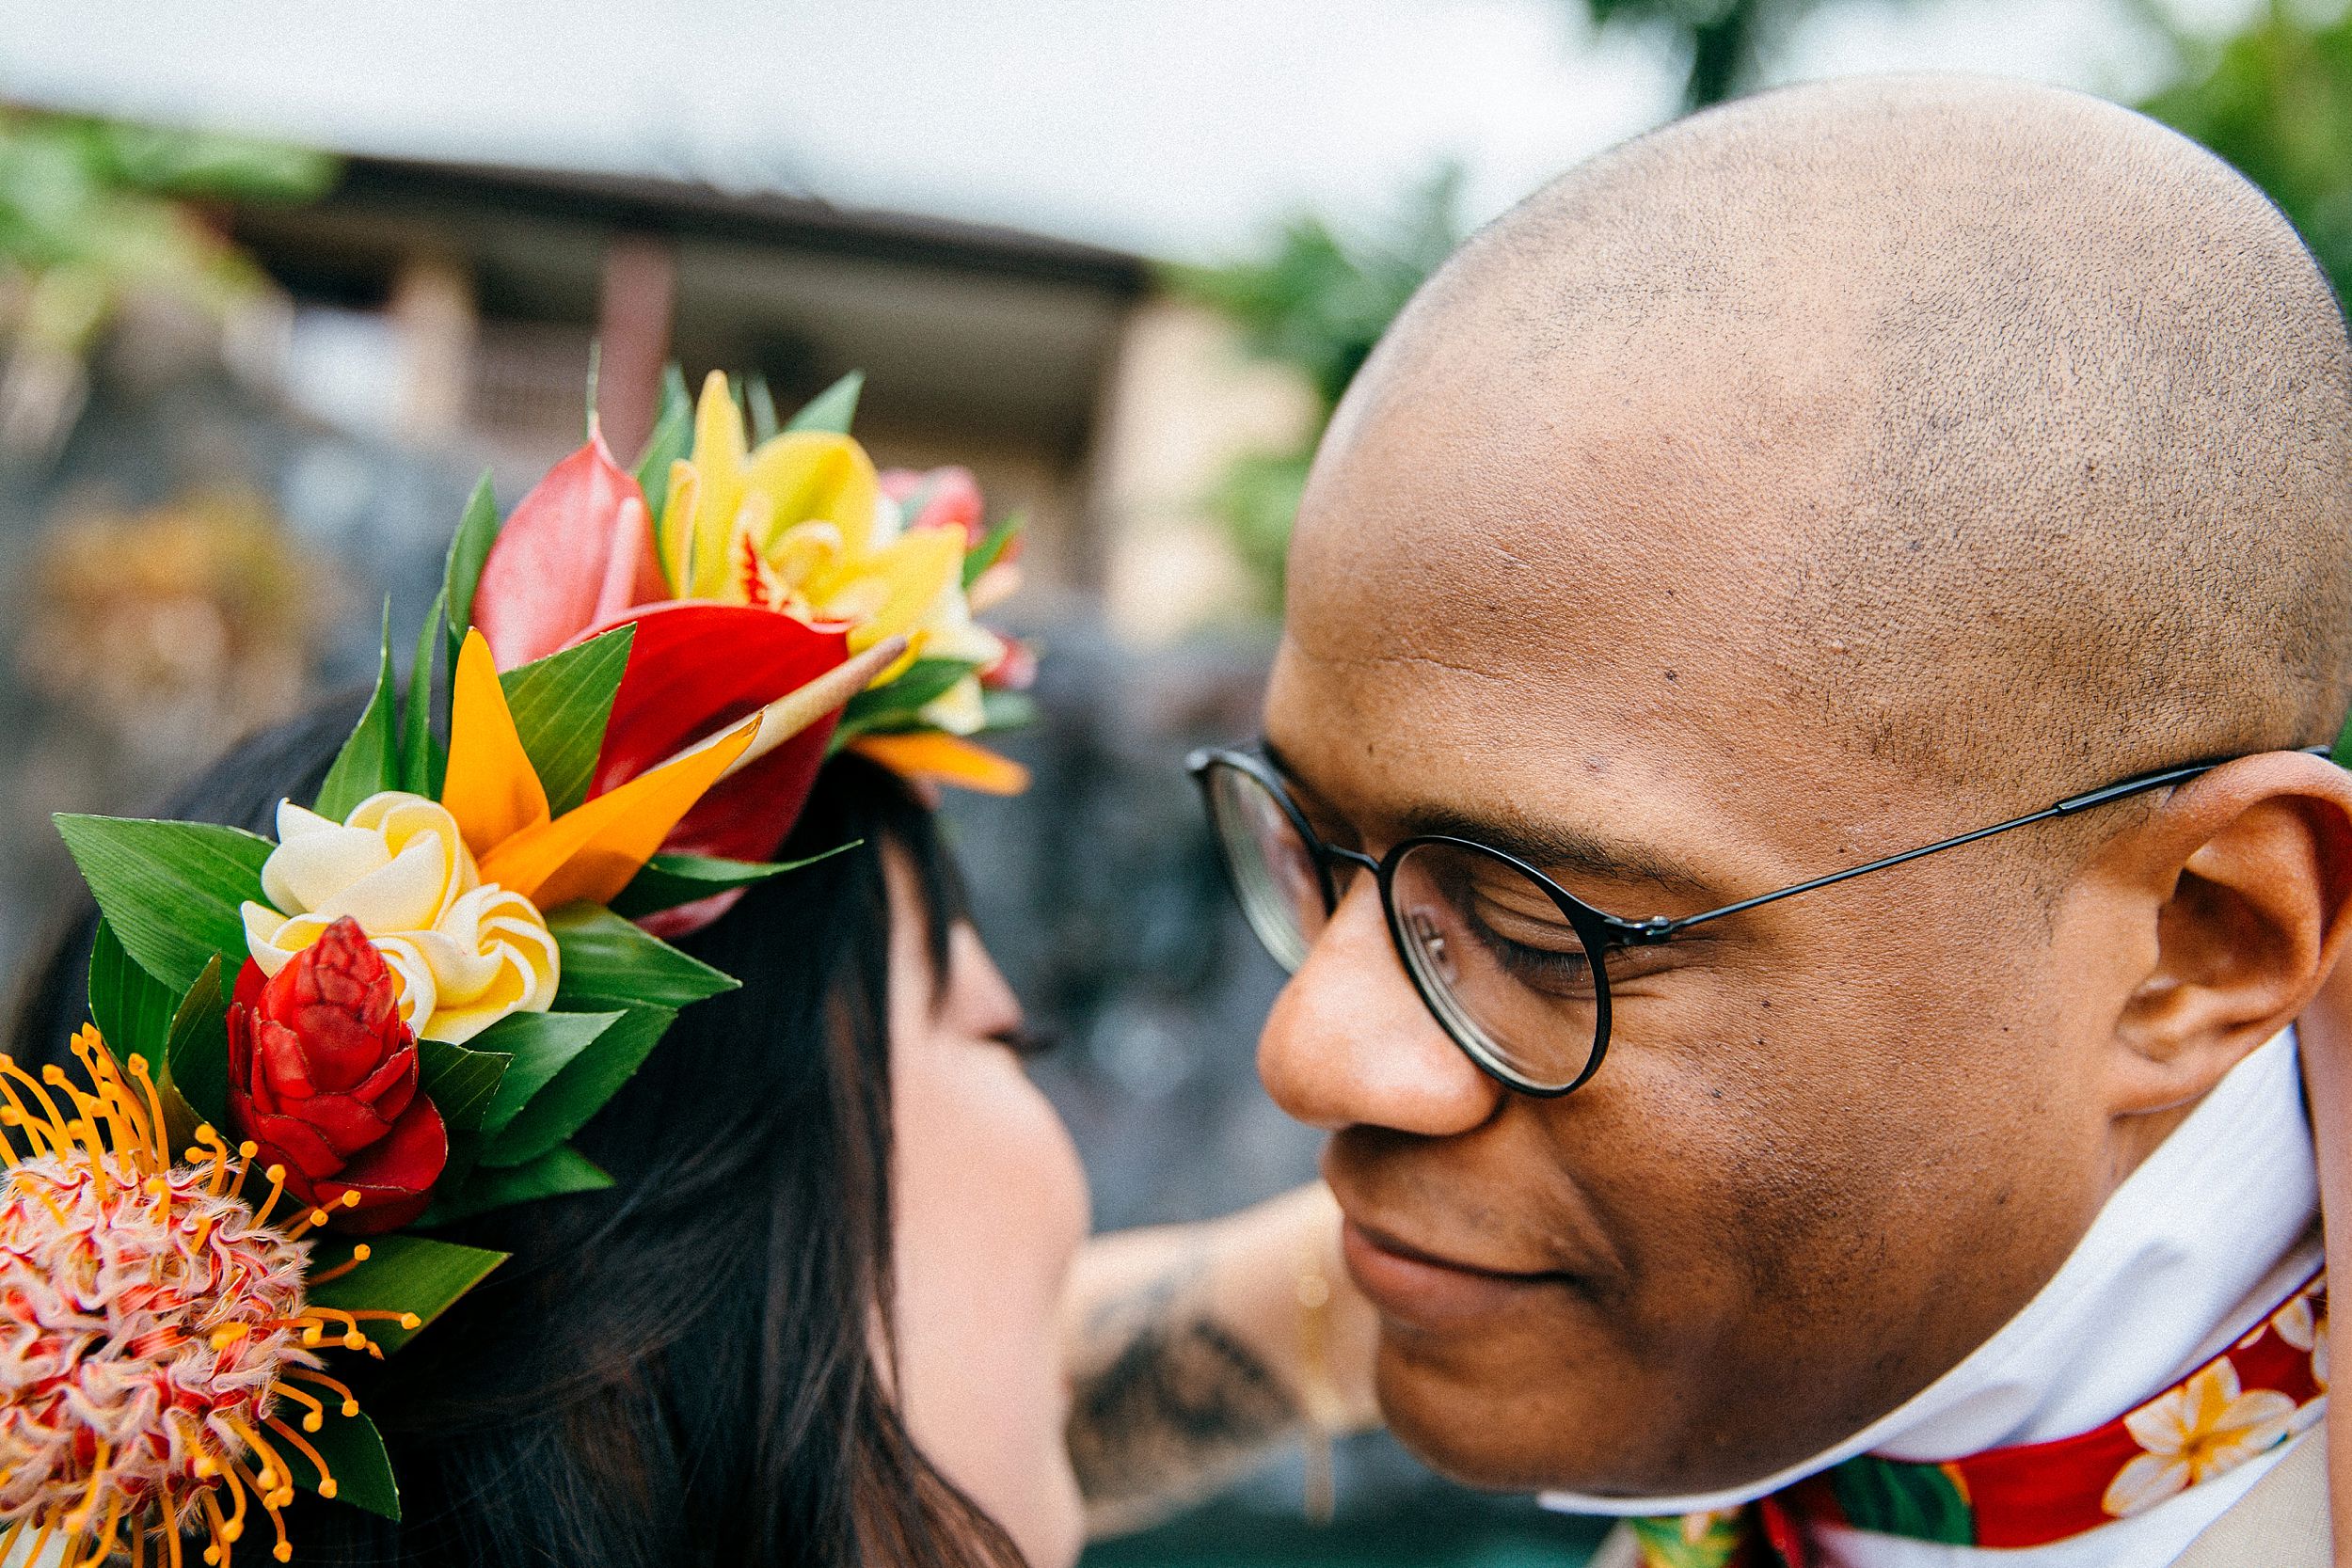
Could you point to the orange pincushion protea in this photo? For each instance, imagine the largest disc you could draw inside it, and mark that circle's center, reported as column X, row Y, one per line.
column 150, row 1321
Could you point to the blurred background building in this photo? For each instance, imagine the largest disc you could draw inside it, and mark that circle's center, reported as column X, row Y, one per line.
column 277, row 283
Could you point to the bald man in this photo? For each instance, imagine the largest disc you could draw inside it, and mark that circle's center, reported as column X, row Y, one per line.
column 1820, row 479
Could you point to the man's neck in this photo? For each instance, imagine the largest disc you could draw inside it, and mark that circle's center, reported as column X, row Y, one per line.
column 2215, row 1224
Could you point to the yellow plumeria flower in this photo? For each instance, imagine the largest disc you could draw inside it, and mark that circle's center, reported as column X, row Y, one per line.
column 799, row 524
column 464, row 952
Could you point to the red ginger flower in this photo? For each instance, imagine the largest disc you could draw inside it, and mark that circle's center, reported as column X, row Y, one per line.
column 323, row 1075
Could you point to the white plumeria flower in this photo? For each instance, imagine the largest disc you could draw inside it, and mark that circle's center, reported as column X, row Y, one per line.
column 2205, row 1427
column 465, row 953
column 2306, row 1330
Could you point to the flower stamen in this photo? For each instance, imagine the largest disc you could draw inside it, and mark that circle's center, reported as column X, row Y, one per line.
column 351, row 1405
column 302, row 1445
column 160, row 1144
column 359, row 1255
column 276, row 1175
column 105, row 1547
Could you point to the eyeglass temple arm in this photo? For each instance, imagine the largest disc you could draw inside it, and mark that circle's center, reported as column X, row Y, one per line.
column 1660, row 928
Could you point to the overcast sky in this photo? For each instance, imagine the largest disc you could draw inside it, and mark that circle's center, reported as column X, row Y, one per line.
column 1181, row 128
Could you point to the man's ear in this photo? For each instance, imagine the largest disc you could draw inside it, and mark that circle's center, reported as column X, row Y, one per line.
column 2253, row 864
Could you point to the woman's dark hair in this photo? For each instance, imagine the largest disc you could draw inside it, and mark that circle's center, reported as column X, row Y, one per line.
column 690, row 1368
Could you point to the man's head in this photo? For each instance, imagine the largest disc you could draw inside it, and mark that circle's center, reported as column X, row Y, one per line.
column 1819, row 477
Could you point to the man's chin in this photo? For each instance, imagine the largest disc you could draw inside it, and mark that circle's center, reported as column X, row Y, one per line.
column 1510, row 1436
column 1500, row 1438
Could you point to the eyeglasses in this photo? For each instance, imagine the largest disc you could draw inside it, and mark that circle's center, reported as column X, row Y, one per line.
column 1511, row 964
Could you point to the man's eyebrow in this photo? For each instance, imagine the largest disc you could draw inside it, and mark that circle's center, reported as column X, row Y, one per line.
column 1547, row 846
column 1556, row 847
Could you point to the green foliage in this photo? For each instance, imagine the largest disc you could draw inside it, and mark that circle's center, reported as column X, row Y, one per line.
column 132, row 1008
column 354, row 1450
column 422, row 760
column 369, row 760
column 170, row 890
column 558, row 1172
column 608, row 962
column 897, row 708
column 461, row 574
column 668, row 881
column 1718, row 41
column 1257, row 499
column 581, row 1088
column 1320, row 300
column 560, row 706
column 831, row 409
column 1317, row 302
column 673, row 437
column 461, row 1080
column 196, row 1053
column 401, row 1273
column 759, row 402
column 991, row 550
column 2276, row 100
column 538, row 1046
column 89, row 211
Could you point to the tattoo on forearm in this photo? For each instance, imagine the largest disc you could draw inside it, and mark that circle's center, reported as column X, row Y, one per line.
column 1167, row 1401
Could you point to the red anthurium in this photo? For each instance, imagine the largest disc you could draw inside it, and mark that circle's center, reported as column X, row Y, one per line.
column 577, row 552
column 695, row 666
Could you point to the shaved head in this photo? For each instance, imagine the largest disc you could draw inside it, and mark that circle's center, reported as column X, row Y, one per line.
column 2081, row 398
column 1819, row 478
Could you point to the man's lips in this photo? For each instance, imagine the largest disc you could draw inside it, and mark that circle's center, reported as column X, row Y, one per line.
column 1424, row 1290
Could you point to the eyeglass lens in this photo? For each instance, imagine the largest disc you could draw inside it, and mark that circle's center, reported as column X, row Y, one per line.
column 1497, row 963
column 1274, row 871
column 1489, row 947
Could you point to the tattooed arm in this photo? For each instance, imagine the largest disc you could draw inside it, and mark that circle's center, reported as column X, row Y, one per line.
column 1185, row 1354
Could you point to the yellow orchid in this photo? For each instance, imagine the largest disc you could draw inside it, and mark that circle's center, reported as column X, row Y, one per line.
column 588, row 854
column 799, row 524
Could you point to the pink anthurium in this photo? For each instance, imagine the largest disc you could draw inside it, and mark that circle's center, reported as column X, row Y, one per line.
column 577, row 552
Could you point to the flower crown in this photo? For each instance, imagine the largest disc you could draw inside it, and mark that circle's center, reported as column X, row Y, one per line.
column 397, row 1015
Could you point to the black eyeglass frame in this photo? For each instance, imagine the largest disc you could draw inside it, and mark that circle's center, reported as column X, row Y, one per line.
column 1602, row 934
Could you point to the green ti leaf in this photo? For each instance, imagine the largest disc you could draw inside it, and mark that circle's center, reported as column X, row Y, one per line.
column 581, row 1089
column 369, row 760
column 540, row 1045
column 760, row 404
column 560, row 704
column 898, row 707
column 477, row 531
column 1665, row 1542
column 831, row 410
column 353, row 1451
column 196, row 1053
column 991, row 549
column 1006, row 710
column 132, row 1008
column 608, row 962
column 461, row 1080
column 1918, row 1501
column 668, row 881
column 558, row 1172
column 421, row 759
column 673, row 437
column 401, row 1273
column 170, row 890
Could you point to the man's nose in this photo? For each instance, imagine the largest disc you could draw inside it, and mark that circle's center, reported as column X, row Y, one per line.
column 1350, row 1043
